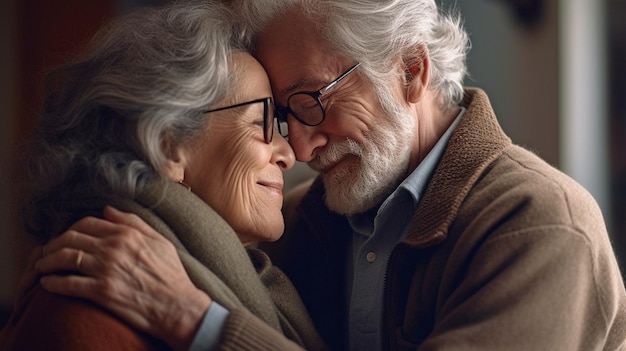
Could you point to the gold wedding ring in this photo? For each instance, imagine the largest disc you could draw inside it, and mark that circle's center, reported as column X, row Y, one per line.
column 79, row 258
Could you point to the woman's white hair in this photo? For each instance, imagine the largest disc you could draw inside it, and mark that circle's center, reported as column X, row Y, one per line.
column 112, row 117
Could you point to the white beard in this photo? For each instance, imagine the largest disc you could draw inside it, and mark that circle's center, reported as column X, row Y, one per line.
column 381, row 166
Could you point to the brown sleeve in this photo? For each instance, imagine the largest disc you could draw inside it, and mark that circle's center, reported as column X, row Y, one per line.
column 46, row 321
column 244, row 331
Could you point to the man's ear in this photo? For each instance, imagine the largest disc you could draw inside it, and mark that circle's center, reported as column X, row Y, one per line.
column 417, row 68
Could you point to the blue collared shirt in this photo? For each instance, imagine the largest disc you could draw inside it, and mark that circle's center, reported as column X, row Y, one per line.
column 375, row 235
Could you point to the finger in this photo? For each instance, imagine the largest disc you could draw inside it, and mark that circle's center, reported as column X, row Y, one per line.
column 70, row 285
column 70, row 239
column 96, row 227
column 67, row 259
column 130, row 219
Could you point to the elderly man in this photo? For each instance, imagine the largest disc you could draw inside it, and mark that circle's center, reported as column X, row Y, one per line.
column 427, row 228
column 444, row 234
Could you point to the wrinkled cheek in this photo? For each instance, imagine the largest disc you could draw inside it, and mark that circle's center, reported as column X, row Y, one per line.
column 268, row 218
column 238, row 182
column 234, row 203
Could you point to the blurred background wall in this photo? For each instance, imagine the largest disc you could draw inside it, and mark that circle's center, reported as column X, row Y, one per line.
column 554, row 73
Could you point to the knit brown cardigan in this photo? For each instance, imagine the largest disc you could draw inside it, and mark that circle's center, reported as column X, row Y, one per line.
column 504, row 252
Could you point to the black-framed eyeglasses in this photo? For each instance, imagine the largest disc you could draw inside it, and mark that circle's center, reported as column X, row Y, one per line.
column 306, row 106
column 269, row 116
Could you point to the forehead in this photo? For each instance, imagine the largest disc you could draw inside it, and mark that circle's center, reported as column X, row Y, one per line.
column 295, row 55
column 250, row 79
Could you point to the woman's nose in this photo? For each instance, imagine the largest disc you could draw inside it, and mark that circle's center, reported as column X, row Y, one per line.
column 283, row 154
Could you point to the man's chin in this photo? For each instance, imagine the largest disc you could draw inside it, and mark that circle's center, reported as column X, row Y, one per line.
column 348, row 194
column 343, row 199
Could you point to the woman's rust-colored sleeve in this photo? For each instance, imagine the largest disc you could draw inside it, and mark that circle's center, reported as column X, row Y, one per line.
column 45, row 321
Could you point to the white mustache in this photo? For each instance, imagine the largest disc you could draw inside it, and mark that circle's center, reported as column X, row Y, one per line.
column 335, row 152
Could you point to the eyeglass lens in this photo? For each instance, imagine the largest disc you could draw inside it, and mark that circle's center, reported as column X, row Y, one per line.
column 272, row 120
column 307, row 108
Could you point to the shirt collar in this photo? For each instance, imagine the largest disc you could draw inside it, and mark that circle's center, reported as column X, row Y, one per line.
column 411, row 188
column 416, row 182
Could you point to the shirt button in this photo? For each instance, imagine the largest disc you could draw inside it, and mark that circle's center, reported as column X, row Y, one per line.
column 370, row 257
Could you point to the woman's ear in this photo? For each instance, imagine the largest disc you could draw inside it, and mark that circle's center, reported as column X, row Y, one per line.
column 417, row 68
column 173, row 169
column 175, row 161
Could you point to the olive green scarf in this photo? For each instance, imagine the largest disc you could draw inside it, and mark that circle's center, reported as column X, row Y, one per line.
column 212, row 254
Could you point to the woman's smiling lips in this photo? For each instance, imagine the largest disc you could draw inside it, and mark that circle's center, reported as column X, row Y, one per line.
column 272, row 186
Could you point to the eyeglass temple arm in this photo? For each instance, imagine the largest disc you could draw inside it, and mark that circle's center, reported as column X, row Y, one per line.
column 333, row 83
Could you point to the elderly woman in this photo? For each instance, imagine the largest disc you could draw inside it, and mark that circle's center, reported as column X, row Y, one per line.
column 166, row 117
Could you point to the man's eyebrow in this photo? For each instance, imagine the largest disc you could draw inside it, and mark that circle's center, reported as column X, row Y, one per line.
column 299, row 85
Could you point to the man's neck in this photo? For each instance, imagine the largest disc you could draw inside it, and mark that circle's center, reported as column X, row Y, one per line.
column 432, row 122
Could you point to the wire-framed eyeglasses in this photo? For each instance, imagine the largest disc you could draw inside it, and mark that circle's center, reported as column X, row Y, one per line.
column 306, row 106
column 269, row 115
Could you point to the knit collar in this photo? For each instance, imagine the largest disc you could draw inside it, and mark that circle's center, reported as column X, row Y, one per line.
column 477, row 141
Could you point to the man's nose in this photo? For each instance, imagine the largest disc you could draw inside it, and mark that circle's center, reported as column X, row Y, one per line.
column 305, row 140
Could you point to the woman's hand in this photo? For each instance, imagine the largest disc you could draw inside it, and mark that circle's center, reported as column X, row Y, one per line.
column 124, row 265
column 30, row 277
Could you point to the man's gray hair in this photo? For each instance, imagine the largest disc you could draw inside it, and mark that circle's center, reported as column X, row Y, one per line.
column 376, row 32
